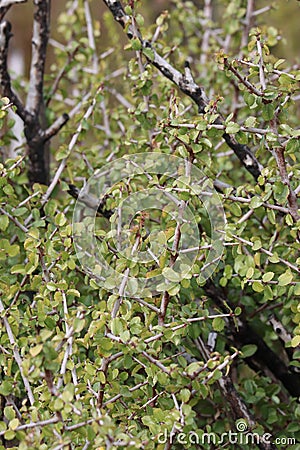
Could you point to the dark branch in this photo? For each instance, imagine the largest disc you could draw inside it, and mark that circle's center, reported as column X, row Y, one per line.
column 91, row 202
column 185, row 83
column 33, row 114
column 55, row 127
column 264, row 356
column 3, row 11
column 239, row 409
column 5, row 82
column 244, row 154
column 237, row 405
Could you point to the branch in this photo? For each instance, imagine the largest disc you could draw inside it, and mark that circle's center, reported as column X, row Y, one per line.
column 247, row 24
column 14, row 220
column 5, row 83
column 33, row 114
column 251, row 88
column 264, row 356
column 208, row 14
column 184, row 82
column 41, row 22
column 3, row 11
column 55, row 127
column 6, row 3
column 238, row 407
column 292, row 198
column 26, row 426
column 16, row 353
column 89, row 201
column 175, row 249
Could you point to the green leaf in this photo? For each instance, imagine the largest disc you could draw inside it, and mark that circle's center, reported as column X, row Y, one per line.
column 293, row 145
column 73, row 292
column 248, row 350
column 173, row 290
column 295, row 341
column 117, row 326
column 20, row 211
column 185, row 395
column 18, row 268
column 232, row 128
column 36, row 350
column 13, row 424
column 3, row 425
column 274, row 258
column 278, row 63
column 250, row 272
column 13, row 250
column 256, row 202
column 267, row 111
column 297, row 289
column 236, row 209
column 171, row 275
column 60, row 219
column 50, row 207
column 268, row 277
column 218, row 324
column 136, row 44
column 4, row 221
column 9, row 413
column 9, row 435
column 149, row 53
column 6, row 388
column 250, row 122
column 257, row 286
column 285, row 278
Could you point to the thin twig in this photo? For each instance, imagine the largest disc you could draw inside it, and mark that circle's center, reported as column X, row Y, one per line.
column 14, row 220
column 91, row 34
column 244, row 80
column 247, row 24
column 261, row 64
column 207, row 12
column 41, row 22
column 16, row 353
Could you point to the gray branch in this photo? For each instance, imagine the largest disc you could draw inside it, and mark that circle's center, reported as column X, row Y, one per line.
column 55, row 127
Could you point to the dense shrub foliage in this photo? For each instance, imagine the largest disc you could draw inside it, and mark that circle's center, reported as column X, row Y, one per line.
column 82, row 364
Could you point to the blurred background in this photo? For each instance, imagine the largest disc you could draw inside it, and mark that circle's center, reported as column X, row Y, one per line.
column 284, row 16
